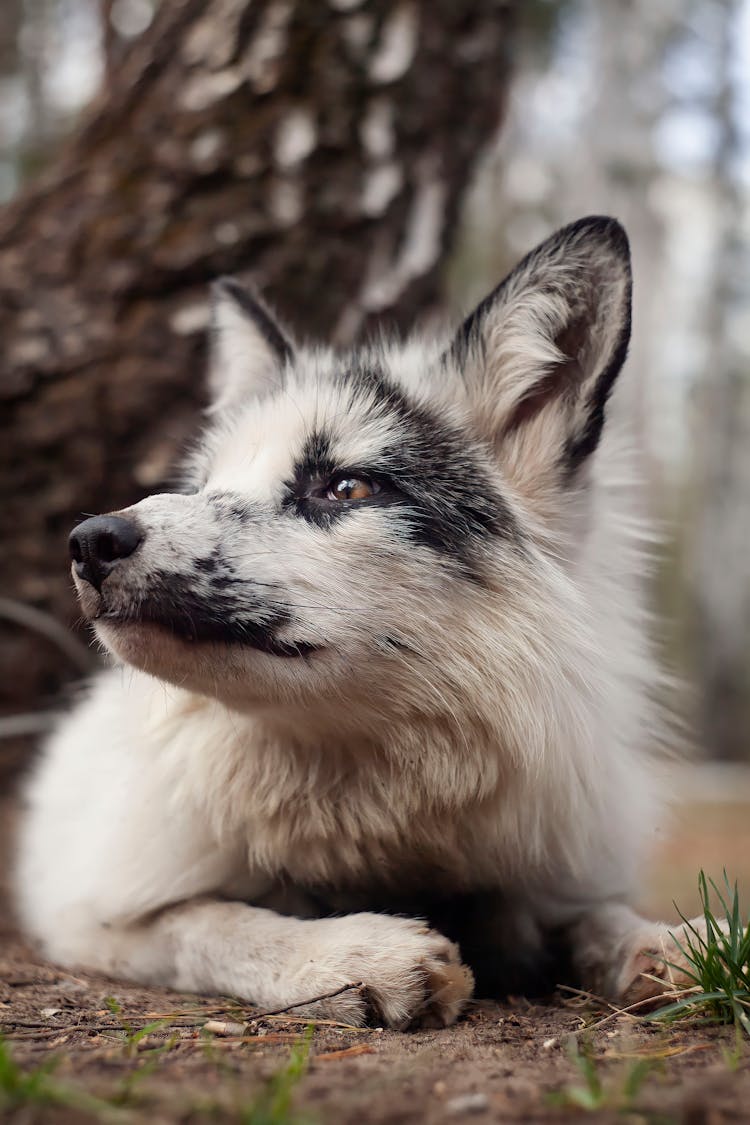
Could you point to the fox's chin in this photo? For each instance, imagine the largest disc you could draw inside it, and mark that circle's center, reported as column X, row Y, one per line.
column 152, row 648
column 194, row 633
column 238, row 676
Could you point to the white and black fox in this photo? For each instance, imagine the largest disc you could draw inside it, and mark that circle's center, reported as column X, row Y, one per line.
column 380, row 708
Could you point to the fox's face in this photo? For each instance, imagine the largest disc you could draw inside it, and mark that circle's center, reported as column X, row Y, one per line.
column 369, row 535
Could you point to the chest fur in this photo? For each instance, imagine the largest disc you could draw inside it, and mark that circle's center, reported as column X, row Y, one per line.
column 432, row 811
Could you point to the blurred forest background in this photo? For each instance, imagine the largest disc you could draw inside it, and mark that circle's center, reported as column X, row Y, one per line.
column 637, row 108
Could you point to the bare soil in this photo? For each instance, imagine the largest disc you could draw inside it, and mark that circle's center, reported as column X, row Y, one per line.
column 502, row 1062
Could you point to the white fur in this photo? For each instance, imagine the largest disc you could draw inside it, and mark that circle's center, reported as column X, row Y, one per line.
column 512, row 750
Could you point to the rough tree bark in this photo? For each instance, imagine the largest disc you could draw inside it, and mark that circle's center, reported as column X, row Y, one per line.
column 320, row 149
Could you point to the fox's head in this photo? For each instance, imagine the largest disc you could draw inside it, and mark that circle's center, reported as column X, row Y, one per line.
column 384, row 532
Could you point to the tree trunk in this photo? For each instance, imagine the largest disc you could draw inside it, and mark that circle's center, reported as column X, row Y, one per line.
column 321, row 150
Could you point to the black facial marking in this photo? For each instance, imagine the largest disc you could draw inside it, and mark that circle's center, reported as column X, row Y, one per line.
column 316, row 460
column 306, row 493
column 226, row 613
column 440, row 485
column 224, row 580
column 208, row 564
column 242, row 512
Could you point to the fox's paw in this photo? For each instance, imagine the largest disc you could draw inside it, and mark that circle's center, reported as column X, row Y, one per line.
column 411, row 976
column 656, row 965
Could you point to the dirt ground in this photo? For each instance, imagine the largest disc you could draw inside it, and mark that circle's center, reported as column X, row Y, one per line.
column 502, row 1062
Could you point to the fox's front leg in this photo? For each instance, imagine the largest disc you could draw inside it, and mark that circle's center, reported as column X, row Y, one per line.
column 410, row 974
column 120, row 870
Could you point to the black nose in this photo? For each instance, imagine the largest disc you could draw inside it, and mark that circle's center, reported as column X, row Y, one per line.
column 98, row 544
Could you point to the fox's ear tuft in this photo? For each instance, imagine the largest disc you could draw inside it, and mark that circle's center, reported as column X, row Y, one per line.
column 248, row 350
column 541, row 353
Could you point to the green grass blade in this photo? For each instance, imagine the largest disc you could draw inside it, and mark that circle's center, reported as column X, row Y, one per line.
column 695, row 1000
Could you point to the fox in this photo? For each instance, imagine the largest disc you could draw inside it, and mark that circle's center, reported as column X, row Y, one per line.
column 380, row 729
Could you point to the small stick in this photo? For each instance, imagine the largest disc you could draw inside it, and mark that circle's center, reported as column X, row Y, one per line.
column 312, row 1000
column 233, row 1003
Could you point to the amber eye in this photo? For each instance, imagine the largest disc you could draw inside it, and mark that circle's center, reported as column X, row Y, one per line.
column 351, row 488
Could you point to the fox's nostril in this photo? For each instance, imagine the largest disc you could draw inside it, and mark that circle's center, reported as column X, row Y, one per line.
column 109, row 548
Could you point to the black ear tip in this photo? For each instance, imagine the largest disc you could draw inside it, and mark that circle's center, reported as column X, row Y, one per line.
column 253, row 308
column 221, row 284
column 228, row 286
column 603, row 229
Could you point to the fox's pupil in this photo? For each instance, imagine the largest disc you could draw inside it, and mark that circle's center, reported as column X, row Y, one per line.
column 351, row 488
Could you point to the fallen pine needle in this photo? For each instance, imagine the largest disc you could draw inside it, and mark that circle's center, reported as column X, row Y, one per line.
column 345, row 1053
column 664, row 1053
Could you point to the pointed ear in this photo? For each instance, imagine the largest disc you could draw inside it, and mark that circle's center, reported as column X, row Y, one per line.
column 540, row 354
column 248, row 350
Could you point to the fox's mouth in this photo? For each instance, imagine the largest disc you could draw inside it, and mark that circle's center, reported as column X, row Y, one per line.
column 193, row 631
column 192, row 622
